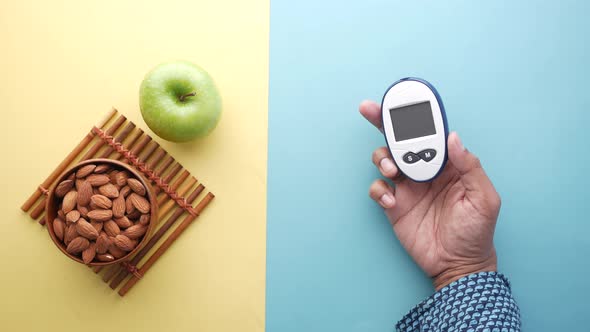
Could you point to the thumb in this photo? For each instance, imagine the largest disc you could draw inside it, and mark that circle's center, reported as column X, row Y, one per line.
column 480, row 190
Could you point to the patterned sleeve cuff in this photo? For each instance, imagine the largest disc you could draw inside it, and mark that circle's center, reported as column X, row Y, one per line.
column 478, row 302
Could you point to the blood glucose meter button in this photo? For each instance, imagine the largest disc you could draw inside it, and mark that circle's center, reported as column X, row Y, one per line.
column 411, row 157
column 427, row 155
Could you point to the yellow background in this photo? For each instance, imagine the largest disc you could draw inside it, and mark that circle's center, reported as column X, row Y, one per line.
column 63, row 64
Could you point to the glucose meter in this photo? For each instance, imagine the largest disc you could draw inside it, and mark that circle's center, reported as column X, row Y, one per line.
column 415, row 128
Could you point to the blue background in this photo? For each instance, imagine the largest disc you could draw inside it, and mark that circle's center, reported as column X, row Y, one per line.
column 513, row 77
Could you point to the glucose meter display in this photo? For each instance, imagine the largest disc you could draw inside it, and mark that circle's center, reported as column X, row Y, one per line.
column 412, row 121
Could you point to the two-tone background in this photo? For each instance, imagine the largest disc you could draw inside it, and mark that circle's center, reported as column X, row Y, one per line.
column 292, row 241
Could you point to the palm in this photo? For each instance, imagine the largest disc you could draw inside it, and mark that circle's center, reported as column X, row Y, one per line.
column 446, row 225
column 438, row 224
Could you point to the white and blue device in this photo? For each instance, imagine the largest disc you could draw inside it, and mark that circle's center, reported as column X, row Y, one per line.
column 415, row 128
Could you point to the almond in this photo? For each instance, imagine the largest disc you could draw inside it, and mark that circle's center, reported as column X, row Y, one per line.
column 116, row 251
column 134, row 215
column 70, row 234
column 109, row 190
column 124, row 243
column 59, row 228
column 140, row 203
column 102, row 168
column 61, row 214
column 105, row 258
column 144, row 219
column 112, row 175
column 129, row 208
column 123, row 222
column 135, row 231
column 124, row 191
column 85, row 170
column 73, row 216
column 111, row 228
column 63, row 187
column 85, row 229
column 97, row 225
column 69, row 201
column 89, row 253
column 79, row 183
column 83, row 210
column 136, row 186
column 121, row 178
column 100, row 215
column 102, row 243
column 72, row 176
column 84, row 193
column 97, row 180
column 77, row 245
column 119, row 206
column 101, row 202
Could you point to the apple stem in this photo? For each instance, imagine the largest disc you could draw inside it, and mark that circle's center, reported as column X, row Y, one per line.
column 187, row 95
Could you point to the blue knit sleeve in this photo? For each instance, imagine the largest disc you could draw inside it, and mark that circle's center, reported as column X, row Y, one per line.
column 480, row 302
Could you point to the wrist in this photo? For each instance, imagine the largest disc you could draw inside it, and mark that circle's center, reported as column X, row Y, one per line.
column 454, row 273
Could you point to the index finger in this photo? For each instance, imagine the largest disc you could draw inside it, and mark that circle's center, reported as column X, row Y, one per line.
column 372, row 112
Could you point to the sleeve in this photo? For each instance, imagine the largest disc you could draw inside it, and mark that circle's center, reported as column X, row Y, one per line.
column 480, row 302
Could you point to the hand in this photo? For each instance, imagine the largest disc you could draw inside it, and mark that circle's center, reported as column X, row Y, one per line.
column 446, row 225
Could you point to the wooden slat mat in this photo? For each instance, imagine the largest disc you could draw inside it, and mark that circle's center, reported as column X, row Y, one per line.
column 181, row 198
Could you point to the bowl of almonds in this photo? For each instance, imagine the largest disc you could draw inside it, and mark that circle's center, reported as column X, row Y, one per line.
column 101, row 212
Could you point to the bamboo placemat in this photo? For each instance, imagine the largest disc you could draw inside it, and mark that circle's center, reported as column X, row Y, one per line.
column 177, row 190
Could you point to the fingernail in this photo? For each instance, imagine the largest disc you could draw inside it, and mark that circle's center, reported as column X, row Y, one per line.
column 387, row 165
column 386, row 200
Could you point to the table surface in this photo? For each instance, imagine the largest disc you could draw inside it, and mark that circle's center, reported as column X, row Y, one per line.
column 309, row 250
column 513, row 78
column 64, row 64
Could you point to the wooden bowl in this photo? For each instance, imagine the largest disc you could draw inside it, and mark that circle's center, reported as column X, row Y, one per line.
column 53, row 202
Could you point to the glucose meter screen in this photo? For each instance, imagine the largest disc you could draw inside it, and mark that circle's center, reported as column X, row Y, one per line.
column 412, row 121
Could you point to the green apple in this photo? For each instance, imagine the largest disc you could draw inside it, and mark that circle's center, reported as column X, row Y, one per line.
column 179, row 101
